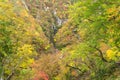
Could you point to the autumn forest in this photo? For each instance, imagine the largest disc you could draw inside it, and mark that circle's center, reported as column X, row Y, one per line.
column 59, row 39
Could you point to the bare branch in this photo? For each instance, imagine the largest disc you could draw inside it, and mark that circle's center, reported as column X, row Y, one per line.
column 74, row 67
column 24, row 3
column 101, row 54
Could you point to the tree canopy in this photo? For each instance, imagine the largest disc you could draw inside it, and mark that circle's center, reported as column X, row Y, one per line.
column 59, row 39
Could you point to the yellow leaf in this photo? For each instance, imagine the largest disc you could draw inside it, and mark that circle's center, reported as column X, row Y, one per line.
column 110, row 54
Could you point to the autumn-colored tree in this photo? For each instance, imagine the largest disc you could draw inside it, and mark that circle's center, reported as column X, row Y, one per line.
column 47, row 65
column 80, row 37
column 20, row 40
column 97, row 25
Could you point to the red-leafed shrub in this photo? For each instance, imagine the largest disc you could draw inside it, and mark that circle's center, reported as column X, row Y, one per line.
column 41, row 76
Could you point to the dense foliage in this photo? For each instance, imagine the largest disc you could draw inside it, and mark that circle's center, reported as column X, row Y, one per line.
column 59, row 39
column 19, row 38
